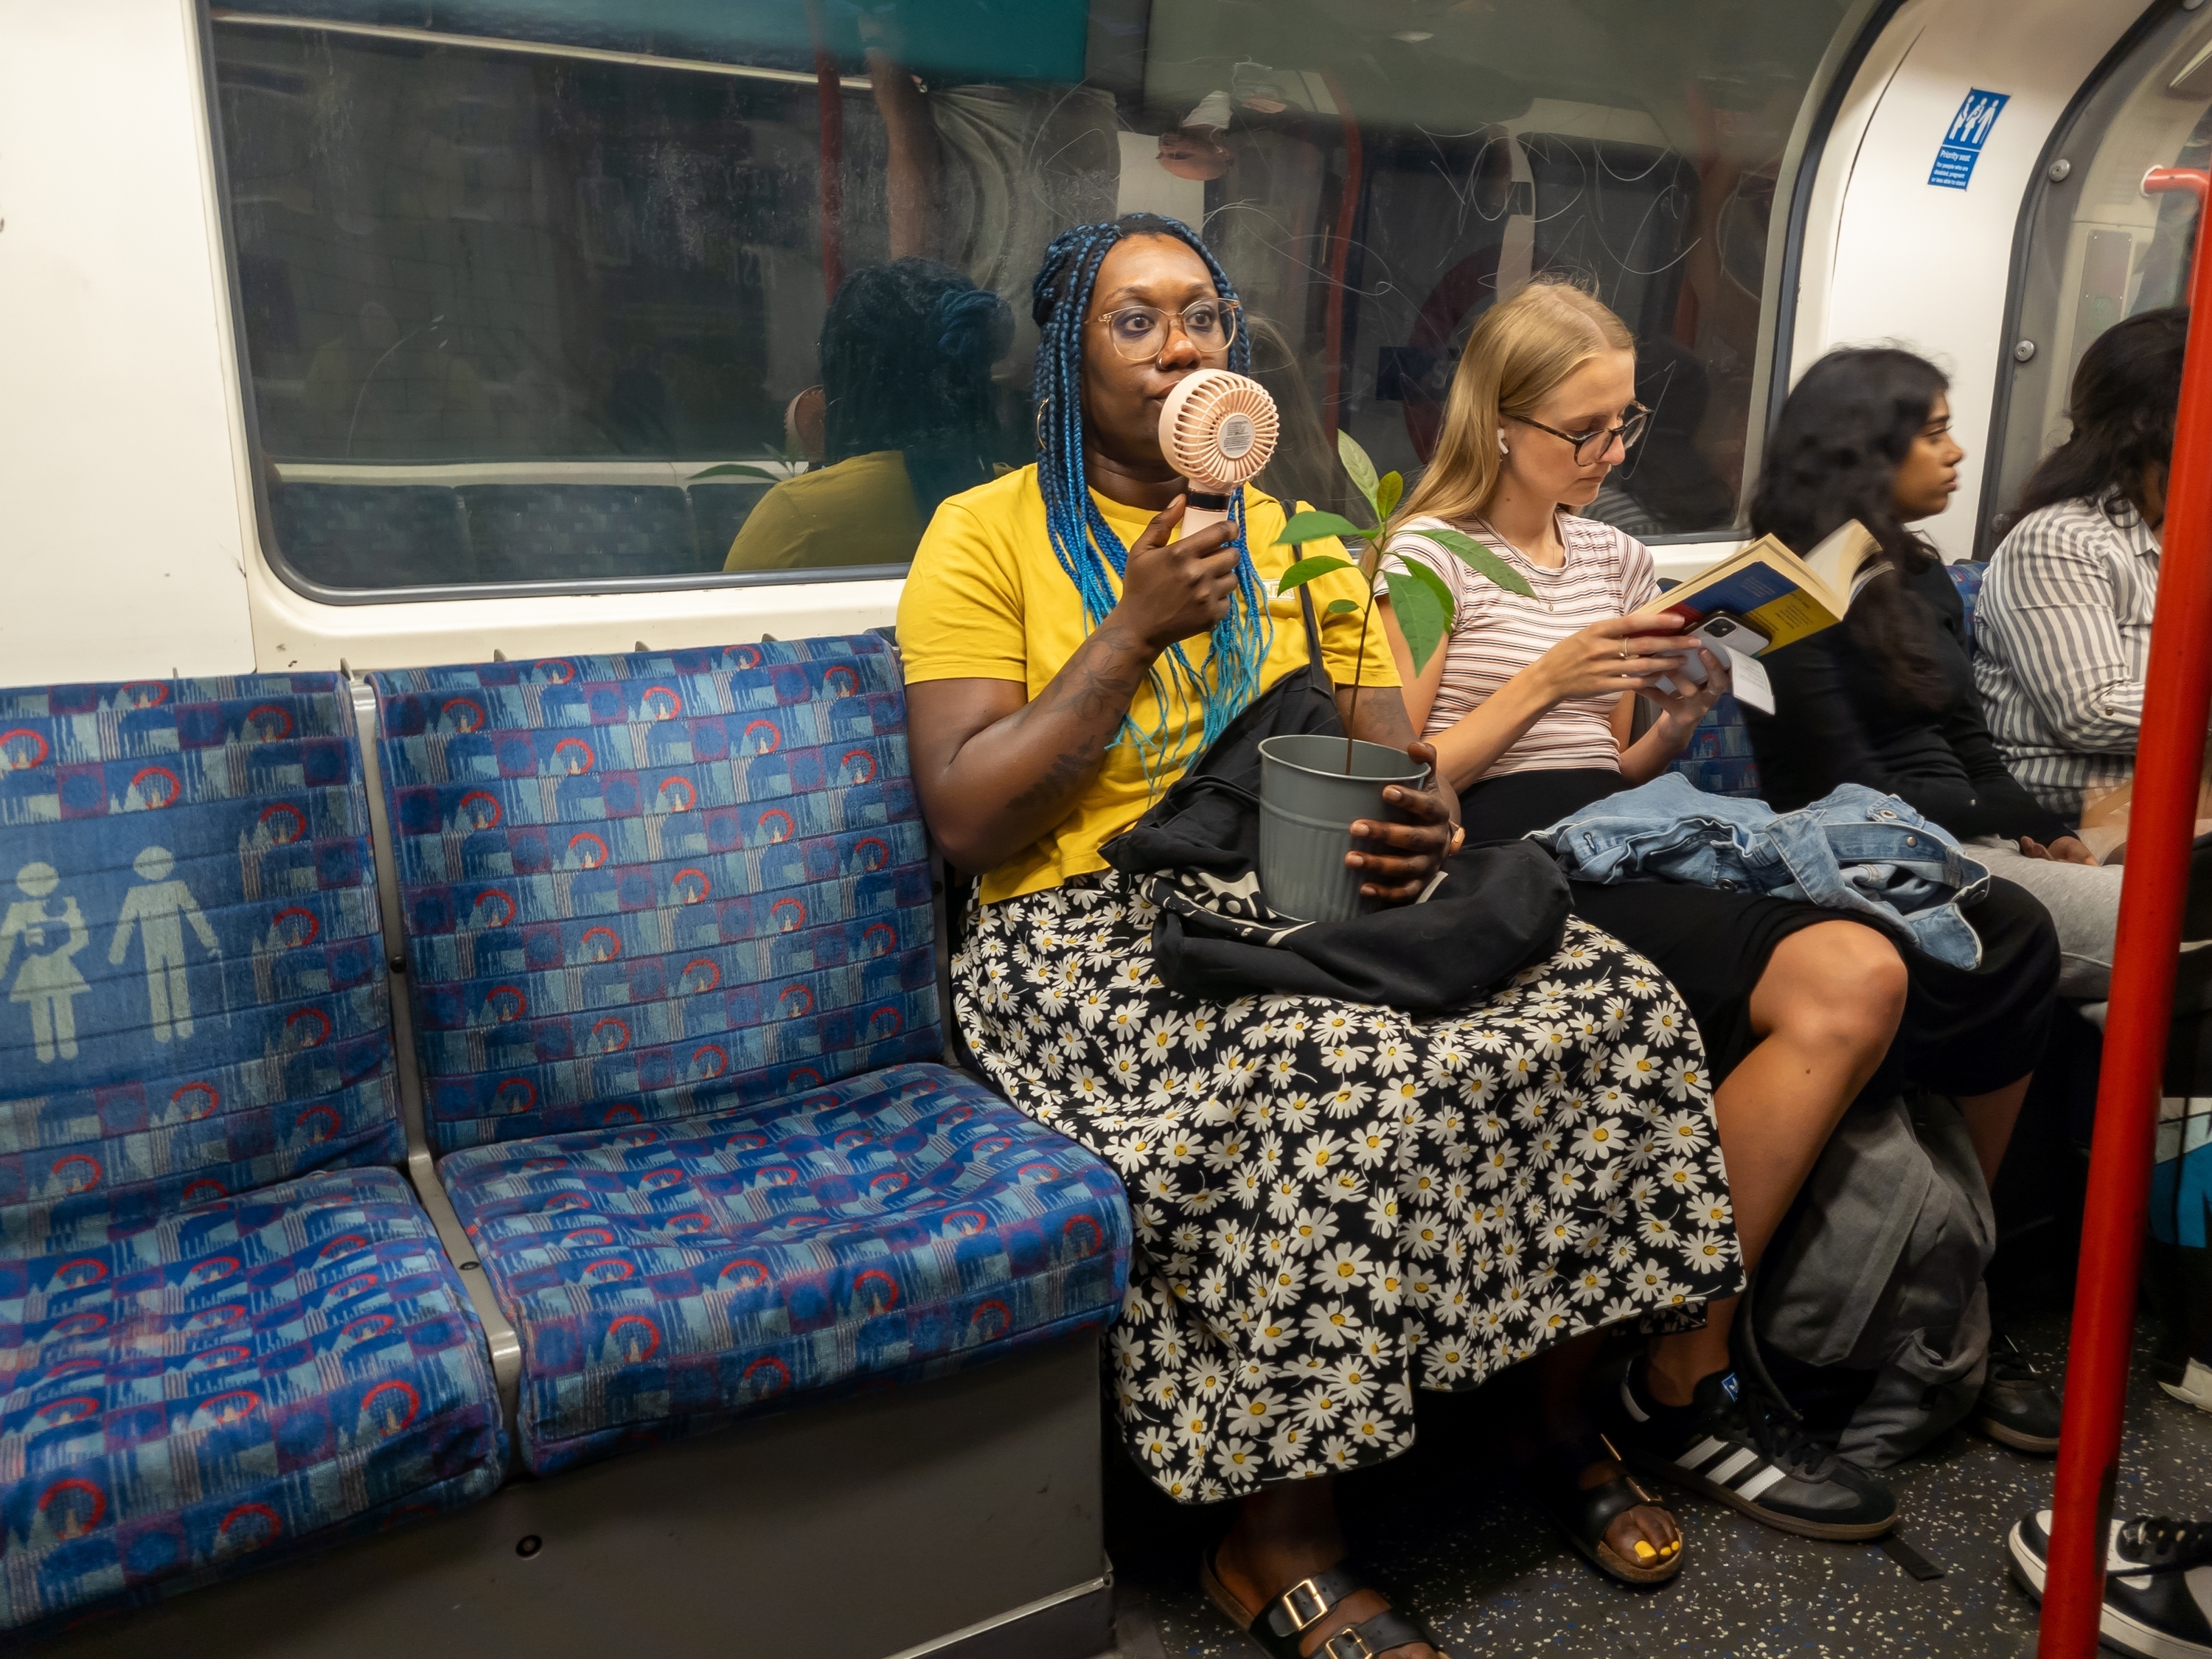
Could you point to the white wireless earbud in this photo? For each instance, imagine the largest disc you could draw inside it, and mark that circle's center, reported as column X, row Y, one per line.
column 1502, row 449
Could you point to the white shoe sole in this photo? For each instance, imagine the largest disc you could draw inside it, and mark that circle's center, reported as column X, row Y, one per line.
column 2195, row 1387
column 2130, row 1636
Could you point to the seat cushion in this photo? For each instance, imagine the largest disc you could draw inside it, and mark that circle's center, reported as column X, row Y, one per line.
column 193, row 993
column 670, row 1277
column 640, row 888
column 182, row 1400
column 1719, row 760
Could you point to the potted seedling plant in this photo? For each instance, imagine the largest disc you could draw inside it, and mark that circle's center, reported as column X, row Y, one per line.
column 1314, row 787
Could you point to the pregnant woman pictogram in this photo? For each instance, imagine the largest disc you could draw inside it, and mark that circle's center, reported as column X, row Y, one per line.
column 48, row 980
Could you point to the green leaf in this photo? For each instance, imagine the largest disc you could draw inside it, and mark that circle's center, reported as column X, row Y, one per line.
column 1483, row 560
column 1306, row 569
column 1340, row 608
column 1356, row 464
column 1386, row 495
column 736, row 470
column 1317, row 526
column 1436, row 585
column 1420, row 619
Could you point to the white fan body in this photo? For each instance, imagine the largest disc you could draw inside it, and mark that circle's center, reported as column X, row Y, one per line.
column 1217, row 429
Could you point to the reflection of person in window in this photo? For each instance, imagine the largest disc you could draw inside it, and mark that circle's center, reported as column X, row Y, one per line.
column 1303, row 468
column 379, row 390
column 982, row 176
column 906, row 351
column 1669, row 485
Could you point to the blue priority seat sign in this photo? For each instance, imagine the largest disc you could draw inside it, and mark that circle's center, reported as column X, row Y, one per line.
column 1963, row 140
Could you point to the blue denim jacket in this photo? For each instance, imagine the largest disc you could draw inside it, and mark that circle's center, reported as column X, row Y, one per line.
column 1853, row 849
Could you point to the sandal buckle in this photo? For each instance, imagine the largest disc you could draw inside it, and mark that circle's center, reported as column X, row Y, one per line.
column 1288, row 1606
column 1330, row 1649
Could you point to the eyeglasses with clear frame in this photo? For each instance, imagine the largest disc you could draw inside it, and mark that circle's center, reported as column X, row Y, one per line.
column 1628, row 431
column 1140, row 333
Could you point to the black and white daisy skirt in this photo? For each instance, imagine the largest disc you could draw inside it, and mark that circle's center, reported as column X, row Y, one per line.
column 1335, row 1203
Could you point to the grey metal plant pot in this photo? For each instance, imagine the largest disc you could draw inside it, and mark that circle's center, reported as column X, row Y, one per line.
column 1308, row 805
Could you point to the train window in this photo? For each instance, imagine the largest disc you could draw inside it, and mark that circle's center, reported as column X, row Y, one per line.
column 2095, row 247
column 542, row 290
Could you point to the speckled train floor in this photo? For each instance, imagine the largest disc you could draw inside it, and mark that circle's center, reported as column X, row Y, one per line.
column 1443, row 1528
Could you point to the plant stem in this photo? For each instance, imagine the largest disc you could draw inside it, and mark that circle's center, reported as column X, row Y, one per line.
column 1359, row 666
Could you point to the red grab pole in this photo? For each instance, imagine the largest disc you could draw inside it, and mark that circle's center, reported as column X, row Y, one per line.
column 2161, row 822
column 1339, row 251
column 829, row 114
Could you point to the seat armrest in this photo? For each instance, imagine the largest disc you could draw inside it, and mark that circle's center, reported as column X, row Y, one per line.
column 421, row 1168
column 506, row 1342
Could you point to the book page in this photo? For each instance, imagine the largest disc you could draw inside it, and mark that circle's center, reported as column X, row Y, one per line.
column 1845, row 559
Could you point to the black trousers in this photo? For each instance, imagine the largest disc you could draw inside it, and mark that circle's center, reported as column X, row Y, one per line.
column 1964, row 1031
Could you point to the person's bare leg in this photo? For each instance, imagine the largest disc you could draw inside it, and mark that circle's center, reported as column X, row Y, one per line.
column 1826, row 1009
column 1560, row 1373
column 1288, row 1532
column 1989, row 1119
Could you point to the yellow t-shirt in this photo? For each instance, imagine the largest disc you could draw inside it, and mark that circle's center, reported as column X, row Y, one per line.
column 859, row 511
column 986, row 599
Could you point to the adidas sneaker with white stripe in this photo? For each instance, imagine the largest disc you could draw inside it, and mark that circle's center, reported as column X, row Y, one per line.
column 1750, row 1454
column 2164, row 1612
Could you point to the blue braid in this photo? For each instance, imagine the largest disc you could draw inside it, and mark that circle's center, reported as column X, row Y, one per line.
column 1086, row 543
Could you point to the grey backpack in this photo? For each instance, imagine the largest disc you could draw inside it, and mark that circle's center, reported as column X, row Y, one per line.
column 1883, row 1274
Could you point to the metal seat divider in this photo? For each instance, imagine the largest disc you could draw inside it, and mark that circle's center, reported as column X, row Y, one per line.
column 506, row 1345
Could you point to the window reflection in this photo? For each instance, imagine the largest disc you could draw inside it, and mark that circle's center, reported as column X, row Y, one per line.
column 909, row 416
column 2098, row 248
column 505, row 301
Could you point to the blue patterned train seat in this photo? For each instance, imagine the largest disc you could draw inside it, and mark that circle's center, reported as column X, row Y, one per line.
column 1967, row 575
column 521, row 532
column 891, row 1227
column 656, row 886
column 351, row 535
column 193, row 994
column 1719, row 759
column 674, row 962
column 193, row 1008
column 184, row 1398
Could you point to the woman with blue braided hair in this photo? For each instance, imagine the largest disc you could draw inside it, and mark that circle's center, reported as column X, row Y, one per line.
column 1334, row 1203
column 909, row 417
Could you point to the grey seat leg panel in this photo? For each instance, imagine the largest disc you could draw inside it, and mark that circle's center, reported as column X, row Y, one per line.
column 958, row 1519
column 421, row 1167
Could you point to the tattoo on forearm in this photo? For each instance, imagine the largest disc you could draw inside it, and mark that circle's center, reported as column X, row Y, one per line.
column 1091, row 694
column 1069, row 770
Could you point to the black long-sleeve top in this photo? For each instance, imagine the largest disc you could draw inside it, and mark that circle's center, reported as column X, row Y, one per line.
column 1832, row 724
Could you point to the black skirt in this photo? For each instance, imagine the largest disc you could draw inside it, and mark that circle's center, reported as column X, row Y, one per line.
column 1964, row 1031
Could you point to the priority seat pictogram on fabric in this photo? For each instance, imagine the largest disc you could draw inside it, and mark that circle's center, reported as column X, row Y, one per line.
column 192, row 992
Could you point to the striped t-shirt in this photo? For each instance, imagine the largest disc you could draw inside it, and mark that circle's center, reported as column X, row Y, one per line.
column 1495, row 634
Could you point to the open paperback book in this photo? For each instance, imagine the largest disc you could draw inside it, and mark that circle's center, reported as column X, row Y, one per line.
column 1782, row 597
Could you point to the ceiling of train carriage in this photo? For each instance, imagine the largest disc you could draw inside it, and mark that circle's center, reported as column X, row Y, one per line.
column 451, row 250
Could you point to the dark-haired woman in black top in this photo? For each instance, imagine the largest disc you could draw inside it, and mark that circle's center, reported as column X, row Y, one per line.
column 1887, row 698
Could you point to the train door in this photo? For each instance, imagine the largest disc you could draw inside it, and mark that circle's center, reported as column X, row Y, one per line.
column 2095, row 247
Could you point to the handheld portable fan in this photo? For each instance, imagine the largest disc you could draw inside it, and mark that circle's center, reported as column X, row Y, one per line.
column 1217, row 429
